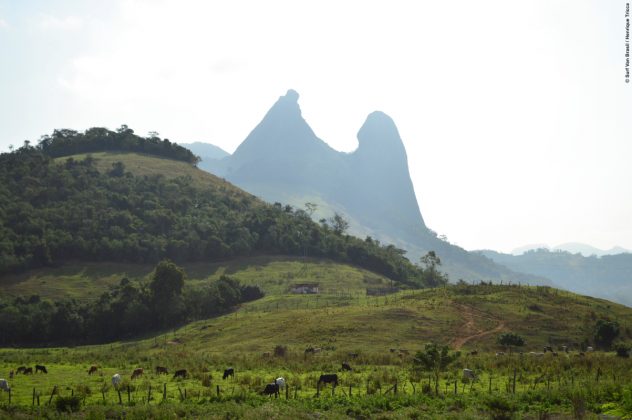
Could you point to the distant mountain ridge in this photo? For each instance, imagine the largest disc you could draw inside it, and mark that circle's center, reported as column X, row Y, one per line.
column 574, row 248
column 282, row 160
column 206, row 151
column 607, row 276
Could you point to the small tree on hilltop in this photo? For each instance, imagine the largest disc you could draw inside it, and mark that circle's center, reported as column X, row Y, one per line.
column 605, row 333
column 434, row 359
column 509, row 340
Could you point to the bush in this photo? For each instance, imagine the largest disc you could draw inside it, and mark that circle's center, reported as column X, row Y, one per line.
column 280, row 351
column 622, row 351
column 68, row 404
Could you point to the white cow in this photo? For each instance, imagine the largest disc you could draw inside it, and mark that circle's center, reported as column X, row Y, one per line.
column 4, row 385
column 589, row 348
column 469, row 374
column 116, row 380
column 280, row 382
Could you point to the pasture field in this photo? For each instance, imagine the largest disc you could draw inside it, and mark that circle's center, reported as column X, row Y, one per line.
column 384, row 332
column 566, row 386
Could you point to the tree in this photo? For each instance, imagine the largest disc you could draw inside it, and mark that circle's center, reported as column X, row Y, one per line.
column 434, row 359
column 432, row 275
column 311, row 208
column 166, row 292
column 605, row 333
column 339, row 224
column 509, row 340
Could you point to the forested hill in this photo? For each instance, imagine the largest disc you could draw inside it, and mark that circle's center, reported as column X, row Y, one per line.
column 97, row 139
column 56, row 210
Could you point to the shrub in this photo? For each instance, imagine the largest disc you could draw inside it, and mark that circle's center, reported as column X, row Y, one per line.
column 280, row 351
column 68, row 404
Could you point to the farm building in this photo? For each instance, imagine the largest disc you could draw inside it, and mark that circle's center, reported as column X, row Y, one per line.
column 305, row 288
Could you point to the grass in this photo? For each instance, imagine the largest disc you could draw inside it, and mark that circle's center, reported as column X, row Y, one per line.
column 384, row 331
column 150, row 165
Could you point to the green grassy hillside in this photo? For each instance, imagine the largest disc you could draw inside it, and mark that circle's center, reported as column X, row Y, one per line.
column 141, row 165
column 343, row 314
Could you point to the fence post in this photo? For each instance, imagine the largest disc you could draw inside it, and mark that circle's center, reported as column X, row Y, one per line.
column 455, row 387
column 10, row 396
column 119, row 395
column 287, row 392
column 218, row 390
column 51, row 394
column 164, row 391
column 514, row 381
column 318, row 389
column 129, row 395
column 33, row 397
column 349, row 391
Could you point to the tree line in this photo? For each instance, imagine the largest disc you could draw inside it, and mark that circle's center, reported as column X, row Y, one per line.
column 67, row 142
column 125, row 310
column 52, row 212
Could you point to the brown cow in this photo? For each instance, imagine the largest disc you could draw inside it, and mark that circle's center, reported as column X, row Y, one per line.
column 161, row 370
column 28, row 371
column 92, row 370
column 137, row 372
column 21, row 369
column 182, row 373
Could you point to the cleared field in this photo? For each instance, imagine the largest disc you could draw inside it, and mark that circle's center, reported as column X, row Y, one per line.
column 377, row 335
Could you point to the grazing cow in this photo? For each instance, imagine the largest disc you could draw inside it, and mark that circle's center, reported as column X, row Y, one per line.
column 500, row 353
column 353, row 355
column 93, row 369
column 137, row 372
column 229, row 372
column 40, row 368
column 473, row 353
column 330, row 378
column 11, row 375
column 116, row 380
column 589, row 348
column 182, row 373
column 161, row 370
column 392, row 350
column 4, row 385
column 271, row 389
column 280, row 381
column 565, row 349
column 554, row 353
column 28, row 371
column 346, row 366
column 21, row 369
column 469, row 374
column 547, row 348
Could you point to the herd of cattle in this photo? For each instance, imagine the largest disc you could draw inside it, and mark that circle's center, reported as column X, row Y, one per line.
column 272, row 388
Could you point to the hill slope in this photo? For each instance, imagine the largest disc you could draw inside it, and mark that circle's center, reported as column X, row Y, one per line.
column 608, row 276
column 128, row 207
column 282, row 160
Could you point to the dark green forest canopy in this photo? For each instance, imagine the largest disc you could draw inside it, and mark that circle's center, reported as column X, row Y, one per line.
column 52, row 212
column 66, row 142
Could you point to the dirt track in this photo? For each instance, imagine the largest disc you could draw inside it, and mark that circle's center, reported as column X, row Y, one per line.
column 469, row 331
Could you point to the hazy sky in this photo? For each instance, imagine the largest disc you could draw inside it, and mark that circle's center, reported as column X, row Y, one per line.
column 515, row 114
